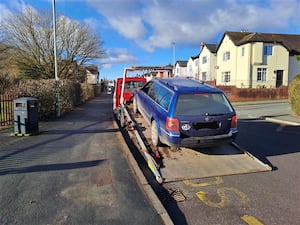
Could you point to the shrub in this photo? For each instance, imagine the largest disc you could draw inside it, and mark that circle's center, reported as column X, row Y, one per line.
column 71, row 94
column 294, row 95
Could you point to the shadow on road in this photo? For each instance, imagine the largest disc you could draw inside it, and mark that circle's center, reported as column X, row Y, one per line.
column 265, row 139
column 51, row 167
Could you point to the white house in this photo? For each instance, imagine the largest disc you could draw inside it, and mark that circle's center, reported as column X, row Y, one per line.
column 180, row 69
column 92, row 74
column 208, row 62
column 193, row 67
column 256, row 60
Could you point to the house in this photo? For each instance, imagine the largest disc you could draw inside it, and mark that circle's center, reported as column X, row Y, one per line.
column 193, row 67
column 180, row 69
column 92, row 74
column 208, row 62
column 254, row 60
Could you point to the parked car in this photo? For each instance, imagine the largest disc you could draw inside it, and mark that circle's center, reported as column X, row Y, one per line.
column 109, row 90
column 183, row 112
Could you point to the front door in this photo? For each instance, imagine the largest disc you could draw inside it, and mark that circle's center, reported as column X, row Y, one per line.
column 279, row 78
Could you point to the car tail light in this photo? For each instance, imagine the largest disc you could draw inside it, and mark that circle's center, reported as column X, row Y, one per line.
column 172, row 124
column 234, row 121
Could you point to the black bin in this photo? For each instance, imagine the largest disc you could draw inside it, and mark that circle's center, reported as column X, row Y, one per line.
column 26, row 116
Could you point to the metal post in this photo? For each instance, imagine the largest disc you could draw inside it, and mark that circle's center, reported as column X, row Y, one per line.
column 55, row 55
column 54, row 38
column 173, row 58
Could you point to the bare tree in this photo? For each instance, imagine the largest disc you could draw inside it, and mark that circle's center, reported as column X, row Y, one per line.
column 31, row 34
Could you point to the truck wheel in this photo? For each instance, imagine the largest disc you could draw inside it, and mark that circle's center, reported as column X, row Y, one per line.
column 135, row 109
column 154, row 134
column 121, row 117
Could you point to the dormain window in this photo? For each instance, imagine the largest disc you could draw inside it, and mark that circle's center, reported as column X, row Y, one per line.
column 226, row 56
column 204, row 60
column 261, row 74
column 268, row 49
column 226, row 77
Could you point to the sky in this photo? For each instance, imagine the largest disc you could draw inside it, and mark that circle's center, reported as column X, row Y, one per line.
column 161, row 32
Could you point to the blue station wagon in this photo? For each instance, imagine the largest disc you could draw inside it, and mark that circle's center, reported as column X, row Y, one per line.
column 184, row 112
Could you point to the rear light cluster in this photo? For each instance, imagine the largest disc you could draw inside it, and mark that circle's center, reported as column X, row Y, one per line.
column 234, row 121
column 172, row 124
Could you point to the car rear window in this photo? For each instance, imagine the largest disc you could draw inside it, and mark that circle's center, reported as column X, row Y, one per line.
column 202, row 104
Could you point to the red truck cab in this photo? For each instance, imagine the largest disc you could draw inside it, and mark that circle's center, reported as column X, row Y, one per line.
column 131, row 84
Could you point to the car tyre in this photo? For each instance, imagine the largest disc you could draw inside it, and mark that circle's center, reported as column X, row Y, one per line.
column 154, row 134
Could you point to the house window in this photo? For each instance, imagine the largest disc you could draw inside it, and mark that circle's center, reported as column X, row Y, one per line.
column 261, row 74
column 268, row 50
column 226, row 77
column 204, row 76
column 196, row 62
column 204, row 60
column 243, row 51
column 226, row 56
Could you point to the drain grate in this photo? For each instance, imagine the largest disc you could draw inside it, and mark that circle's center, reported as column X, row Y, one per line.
column 171, row 195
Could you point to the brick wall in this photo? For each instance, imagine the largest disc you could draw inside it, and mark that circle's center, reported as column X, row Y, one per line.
column 254, row 94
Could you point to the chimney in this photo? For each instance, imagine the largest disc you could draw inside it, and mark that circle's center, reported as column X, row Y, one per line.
column 202, row 45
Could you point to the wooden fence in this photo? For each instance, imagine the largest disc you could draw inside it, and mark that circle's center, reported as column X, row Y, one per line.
column 6, row 110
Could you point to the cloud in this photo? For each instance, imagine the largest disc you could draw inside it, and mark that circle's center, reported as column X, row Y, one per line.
column 157, row 24
column 117, row 56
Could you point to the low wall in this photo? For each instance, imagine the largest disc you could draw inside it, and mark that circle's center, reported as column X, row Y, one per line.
column 254, row 94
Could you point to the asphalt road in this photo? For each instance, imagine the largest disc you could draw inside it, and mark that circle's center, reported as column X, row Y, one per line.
column 269, row 198
column 73, row 172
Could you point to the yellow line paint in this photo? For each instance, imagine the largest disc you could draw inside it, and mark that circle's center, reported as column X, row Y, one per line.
column 251, row 220
column 221, row 193
column 218, row 180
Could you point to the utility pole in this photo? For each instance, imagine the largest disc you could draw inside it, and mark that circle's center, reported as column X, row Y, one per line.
column 55, row 56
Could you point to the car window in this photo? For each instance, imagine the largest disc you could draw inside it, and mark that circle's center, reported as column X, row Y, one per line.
column 147, row 87
column 202, row 104
column 164, row 98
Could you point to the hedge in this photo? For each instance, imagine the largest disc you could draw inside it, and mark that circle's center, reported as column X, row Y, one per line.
column 294, row 95
column 71, row 94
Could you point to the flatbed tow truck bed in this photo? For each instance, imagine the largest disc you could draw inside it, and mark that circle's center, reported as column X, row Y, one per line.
column 185, row 163
column 169, row 164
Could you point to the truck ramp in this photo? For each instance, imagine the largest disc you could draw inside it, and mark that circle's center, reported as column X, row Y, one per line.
column 187, row 163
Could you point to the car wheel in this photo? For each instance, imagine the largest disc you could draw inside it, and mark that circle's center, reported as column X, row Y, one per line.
column 154, row 134
column 135, row 108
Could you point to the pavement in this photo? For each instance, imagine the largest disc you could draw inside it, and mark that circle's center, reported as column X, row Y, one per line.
column 85, row 144
column 75, row 124
column 286, row 117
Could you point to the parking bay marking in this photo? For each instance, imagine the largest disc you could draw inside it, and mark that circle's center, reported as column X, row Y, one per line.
column 251, row 220
column 219, row 180
column 221, row 193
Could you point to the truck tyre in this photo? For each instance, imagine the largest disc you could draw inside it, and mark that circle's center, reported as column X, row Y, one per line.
column 154, row 134
column 121, row 117
column 135, row 108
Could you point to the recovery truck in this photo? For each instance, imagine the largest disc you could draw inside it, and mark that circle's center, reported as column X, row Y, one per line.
column 169, row 164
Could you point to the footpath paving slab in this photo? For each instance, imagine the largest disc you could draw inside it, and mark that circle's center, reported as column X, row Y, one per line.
column 75, row 171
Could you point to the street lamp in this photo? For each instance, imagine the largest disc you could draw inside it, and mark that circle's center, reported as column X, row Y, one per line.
column 54, row 39
column 55, row 56
column 174, row 58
